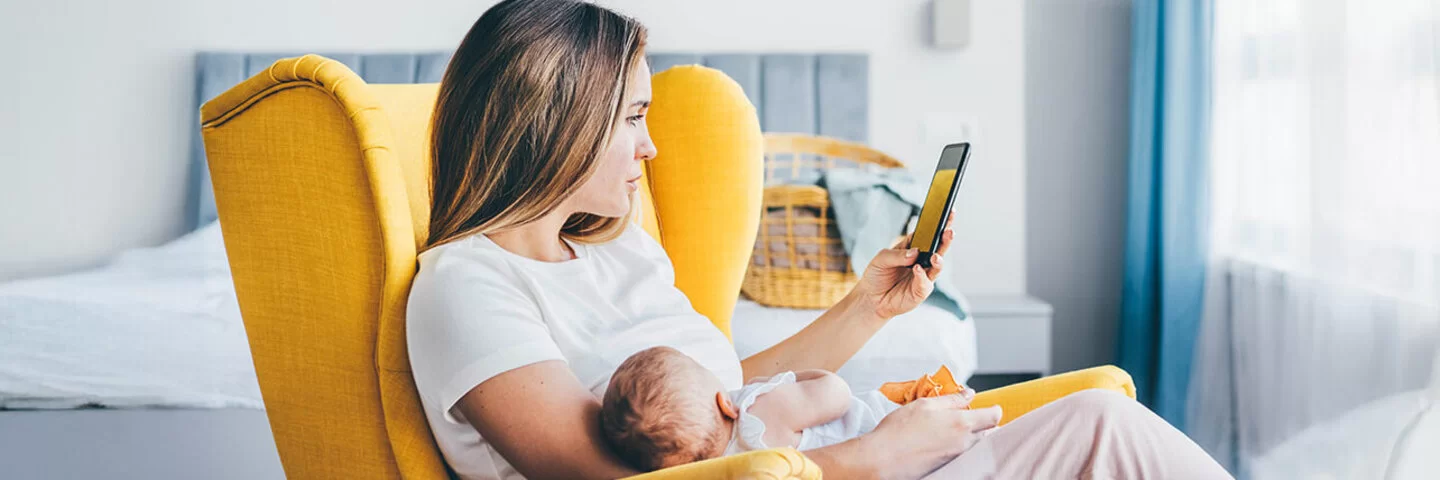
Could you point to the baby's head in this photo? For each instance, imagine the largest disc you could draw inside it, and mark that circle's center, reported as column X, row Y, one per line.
column 664, row 409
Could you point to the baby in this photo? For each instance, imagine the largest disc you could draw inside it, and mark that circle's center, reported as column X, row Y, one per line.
column 663, row 409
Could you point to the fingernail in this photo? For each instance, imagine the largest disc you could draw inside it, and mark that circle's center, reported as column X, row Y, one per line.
column 911, row 252
column 967, row 393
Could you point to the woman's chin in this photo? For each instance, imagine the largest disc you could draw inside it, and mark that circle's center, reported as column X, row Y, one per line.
column 611, row 211
column 623, row 206
column 617, row 207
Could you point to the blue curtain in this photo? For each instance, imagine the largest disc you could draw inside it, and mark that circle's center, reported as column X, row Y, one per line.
column 1166, row 228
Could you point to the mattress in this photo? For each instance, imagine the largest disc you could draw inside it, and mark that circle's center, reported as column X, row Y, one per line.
column 236, row 443
column 154, row 327
column 909, row 345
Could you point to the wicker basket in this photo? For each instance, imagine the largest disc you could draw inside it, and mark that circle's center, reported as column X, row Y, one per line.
column 799, row 261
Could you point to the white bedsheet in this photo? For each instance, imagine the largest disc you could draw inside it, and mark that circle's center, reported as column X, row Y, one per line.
column 1393, row 437
column 156, row 327
column 910, row 345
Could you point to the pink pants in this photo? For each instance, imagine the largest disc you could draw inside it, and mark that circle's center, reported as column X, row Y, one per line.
column 1092, row 434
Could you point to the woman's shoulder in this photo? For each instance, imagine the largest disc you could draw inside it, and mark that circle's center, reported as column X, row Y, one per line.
column 465, row 262
column 468, row 250
column 461, row 281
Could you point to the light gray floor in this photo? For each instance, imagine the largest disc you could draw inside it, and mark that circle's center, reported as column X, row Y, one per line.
column 138, row 444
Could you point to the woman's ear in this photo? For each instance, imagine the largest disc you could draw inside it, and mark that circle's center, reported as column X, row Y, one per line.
column 727, row 408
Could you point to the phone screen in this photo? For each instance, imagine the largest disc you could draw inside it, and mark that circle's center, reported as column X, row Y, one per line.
column 940, row 197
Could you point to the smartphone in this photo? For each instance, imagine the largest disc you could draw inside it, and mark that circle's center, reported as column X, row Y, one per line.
column 939, row 200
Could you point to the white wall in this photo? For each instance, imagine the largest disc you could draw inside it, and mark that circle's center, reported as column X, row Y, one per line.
column 1077, row 78
column 97, row 109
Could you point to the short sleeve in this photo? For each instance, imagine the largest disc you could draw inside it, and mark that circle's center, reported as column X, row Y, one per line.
column 468, row 320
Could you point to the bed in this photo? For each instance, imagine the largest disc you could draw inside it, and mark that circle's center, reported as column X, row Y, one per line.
column 75, row 401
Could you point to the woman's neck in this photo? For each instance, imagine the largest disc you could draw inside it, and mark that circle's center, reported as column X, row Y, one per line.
column 538, row 240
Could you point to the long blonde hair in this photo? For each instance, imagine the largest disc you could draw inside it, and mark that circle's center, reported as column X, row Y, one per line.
column 526, row 108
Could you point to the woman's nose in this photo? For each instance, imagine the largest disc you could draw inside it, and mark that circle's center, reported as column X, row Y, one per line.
column 646, row 150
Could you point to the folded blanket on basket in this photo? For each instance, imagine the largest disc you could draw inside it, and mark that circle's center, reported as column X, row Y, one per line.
column 871, row 208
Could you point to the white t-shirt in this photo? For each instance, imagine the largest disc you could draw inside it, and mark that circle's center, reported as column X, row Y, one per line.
column 477, row 310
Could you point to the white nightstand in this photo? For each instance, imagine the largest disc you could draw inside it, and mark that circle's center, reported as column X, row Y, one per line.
column 1012, row 333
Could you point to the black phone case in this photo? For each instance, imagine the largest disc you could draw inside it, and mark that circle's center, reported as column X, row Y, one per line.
column 924, row 257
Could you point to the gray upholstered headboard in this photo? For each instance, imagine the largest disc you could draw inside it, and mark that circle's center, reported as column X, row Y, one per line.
column 824, row 94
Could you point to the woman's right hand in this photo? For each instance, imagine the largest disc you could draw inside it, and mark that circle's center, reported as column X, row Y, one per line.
column 925, row 434
column 894, row 283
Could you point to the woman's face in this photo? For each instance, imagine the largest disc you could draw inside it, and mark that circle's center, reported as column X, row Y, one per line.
column 609, row 191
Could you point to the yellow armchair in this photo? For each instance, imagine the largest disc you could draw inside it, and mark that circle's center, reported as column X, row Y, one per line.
column 321, row 182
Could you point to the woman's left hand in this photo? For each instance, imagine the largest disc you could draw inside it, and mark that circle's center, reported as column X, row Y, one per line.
column 894, row 283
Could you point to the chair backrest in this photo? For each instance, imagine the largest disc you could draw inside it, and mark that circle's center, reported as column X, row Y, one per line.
column 321, row 184
column 315, row 196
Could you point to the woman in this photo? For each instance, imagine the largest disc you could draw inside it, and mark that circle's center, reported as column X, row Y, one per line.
column 535, row 284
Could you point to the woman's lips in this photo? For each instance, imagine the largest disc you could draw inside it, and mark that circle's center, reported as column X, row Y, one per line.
column 633, row 184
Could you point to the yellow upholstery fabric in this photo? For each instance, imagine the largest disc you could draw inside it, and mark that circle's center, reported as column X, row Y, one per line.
column 316, row 204
column 1021, row 398
column 321, row 185
column 707, row 203
column 772, row 464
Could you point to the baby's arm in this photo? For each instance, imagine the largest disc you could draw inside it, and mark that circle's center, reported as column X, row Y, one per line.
column 817, row 397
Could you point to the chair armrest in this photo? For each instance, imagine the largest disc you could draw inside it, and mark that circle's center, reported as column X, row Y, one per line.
column 772, row 464
column 1021, row 398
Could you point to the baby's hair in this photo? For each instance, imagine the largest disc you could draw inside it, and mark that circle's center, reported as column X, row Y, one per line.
column 647, row 419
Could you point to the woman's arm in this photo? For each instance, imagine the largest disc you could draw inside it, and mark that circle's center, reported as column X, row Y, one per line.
column 530, row 413
column 826, row 344
column 892, row 284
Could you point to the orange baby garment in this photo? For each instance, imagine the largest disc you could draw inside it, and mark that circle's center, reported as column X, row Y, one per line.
column 941, row 383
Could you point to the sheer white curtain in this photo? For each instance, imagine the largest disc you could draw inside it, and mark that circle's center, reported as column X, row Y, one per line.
column 1323, row 304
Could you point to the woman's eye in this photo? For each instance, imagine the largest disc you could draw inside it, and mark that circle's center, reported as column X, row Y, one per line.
column 634, row 119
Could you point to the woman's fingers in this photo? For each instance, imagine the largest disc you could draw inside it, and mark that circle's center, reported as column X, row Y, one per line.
column 967, row 420
column 970, row 441
column 981, row 419
column 892, row 257
column 920, row 283
column 950, row 402
column 947, row 235
column 901, row 241
column 937, row 262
